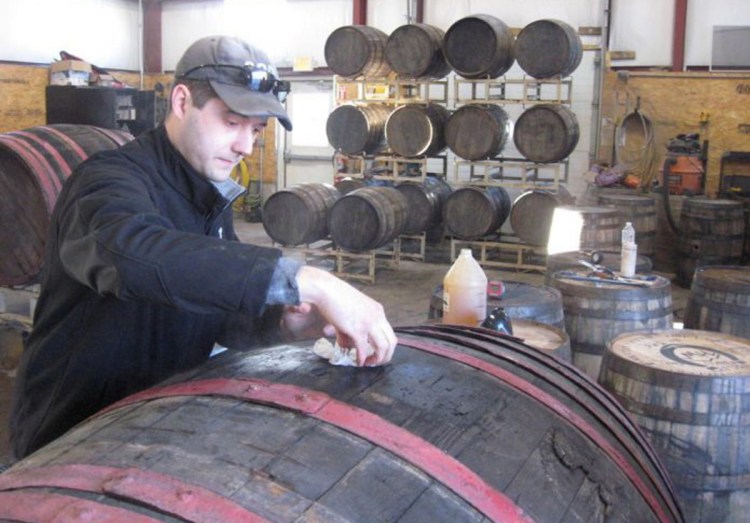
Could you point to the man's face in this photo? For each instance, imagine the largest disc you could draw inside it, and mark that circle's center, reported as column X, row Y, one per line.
column 214, row 139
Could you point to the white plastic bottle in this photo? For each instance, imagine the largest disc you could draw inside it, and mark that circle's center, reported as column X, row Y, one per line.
column 465, row 292
column 629, row 251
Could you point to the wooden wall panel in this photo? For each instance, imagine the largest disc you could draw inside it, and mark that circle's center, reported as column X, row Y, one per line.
column 715, row 105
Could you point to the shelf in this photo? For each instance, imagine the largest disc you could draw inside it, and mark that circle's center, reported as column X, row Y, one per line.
column 524, row 91
column 512, row 173
column 389, row 90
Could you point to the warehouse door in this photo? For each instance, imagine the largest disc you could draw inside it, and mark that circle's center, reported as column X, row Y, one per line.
column 305, row 154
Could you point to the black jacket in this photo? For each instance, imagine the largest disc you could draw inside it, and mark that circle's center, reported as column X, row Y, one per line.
column 138, row 281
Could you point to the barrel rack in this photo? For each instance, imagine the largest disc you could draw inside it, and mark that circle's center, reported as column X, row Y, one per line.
column 506, row 255
column 525, row 91
column 347, row 265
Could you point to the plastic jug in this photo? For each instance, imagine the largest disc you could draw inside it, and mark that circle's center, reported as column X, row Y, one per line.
column 465, row 292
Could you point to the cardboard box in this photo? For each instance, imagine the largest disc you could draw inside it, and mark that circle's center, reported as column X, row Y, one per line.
column 69, row 72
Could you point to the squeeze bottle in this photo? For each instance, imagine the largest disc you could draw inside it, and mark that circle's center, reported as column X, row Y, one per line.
column 629, row 251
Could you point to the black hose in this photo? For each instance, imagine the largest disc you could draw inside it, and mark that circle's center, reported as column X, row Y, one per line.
column 669, row 161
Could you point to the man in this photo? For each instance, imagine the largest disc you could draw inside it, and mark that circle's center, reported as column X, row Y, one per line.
column 142, row 273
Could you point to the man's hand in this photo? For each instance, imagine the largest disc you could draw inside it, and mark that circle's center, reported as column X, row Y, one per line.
column 331, row 306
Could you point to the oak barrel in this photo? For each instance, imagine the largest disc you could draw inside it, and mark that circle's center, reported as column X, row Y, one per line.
column 357, row 128
column 470, row 213
column 597, row 312
column 367, row 218
column 299, row 215
column 520, row 300
column 687, row 390
column 546, row 133
column 479, row 46
column 532, row 211
column 34, row 164
column 546, row 338
column 582, row 227
column 639, row 210
column 463, row 425
column 425, row 202
column 711, row 233
column 719, row 300
column 477, row 131
column 357, row 50
column 548, row 48
column 416, row 130
column 416, row 51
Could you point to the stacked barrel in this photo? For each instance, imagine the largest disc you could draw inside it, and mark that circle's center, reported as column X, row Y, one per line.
column 419, row 127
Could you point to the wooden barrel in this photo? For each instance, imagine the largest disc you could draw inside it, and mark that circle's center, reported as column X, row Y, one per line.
column 611, row 260
column 546, row 133
column 544, row 337
column 416, row 51
column 348, row 184
column 357, row 128
column 299, row 215
column 711, row 233
column 580, row 227
column 470, row 213
column 719, row 300
column 477, row 131
column 367, row 218
column 548, row 48
column 463, row 425
column 34, row 163
column 425, row 202
column 531, row 213
column 479, row 46
column 357, row 50
column 639, row 210
column 687, row 390
column 597, row 312
column 521, row 300
column 416, row 130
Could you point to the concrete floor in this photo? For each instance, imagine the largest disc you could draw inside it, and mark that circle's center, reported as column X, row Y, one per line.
column 404, row 289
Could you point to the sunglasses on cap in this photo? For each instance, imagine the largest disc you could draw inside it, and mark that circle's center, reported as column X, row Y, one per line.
column 256, row 79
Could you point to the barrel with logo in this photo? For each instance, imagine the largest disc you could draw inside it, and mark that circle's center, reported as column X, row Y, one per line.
column 299, row 215
column 416, row 130
column 479, row 46
column 532, row 211
column 687, row 390
column 520, row 300
column 416, row 51
column 34, row 164
column 357, row 50
column 596, row 312
column 367, row 218
column 463, row 425
column 639, row 210
column 711, row 233
column 477, row 131
column 546, row 133
column 470, row 213
column 357, row 128
column 548, row 48
column 719, row 300
column 583, row 227
column 425, row 202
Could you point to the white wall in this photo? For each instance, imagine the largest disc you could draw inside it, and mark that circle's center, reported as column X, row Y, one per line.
column 103, row 32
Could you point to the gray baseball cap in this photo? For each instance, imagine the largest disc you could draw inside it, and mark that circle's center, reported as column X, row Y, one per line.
column 241, row 74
